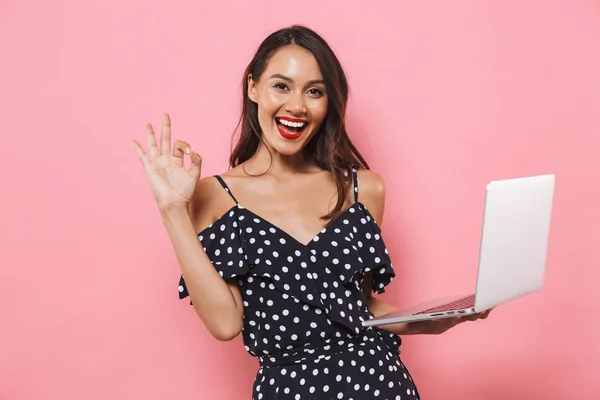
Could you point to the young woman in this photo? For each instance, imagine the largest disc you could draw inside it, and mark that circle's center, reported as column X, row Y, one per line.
column 286, row 246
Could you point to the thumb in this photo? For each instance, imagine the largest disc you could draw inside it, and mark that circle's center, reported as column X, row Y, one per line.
column 196, row 162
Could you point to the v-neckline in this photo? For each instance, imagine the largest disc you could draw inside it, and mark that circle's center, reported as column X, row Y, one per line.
column 297, row 241
column 314, row 238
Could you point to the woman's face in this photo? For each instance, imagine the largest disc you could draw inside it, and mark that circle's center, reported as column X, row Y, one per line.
column 291, row 98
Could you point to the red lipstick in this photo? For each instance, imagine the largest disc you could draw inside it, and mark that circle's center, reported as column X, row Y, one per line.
column 288, row 132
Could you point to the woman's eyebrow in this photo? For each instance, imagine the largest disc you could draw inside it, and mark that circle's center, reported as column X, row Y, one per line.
column 285, row 78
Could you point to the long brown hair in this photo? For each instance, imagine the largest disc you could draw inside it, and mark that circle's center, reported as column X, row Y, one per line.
column 330, row 148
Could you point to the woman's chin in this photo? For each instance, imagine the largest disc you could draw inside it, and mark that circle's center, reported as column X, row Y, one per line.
column 288, row 149
column 285, row 146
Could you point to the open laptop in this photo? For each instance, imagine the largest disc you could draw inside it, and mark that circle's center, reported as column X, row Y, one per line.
column 512, row 256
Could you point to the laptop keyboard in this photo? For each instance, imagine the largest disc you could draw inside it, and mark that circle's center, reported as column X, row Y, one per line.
column 465, row 302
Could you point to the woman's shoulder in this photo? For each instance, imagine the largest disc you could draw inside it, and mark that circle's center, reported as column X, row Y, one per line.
column 370, row 183
column 208, row 202
column 371, row 192
column 209, row 186
column 209, row 192
column 206, row 189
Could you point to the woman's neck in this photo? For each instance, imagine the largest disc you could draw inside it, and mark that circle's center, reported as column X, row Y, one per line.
column 268, row 160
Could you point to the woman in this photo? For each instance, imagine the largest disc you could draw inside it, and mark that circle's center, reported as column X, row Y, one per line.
column 289, row 250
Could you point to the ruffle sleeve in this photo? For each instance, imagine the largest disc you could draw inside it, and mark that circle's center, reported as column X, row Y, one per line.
column 375, row 257
column 223, row 242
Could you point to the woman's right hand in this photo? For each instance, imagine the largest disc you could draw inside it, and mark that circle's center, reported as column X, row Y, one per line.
column 171, row 183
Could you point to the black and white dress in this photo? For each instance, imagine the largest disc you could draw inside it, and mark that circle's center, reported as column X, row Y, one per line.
column 303, row 305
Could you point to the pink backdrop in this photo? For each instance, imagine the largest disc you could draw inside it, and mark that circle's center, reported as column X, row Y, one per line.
column 446, row 96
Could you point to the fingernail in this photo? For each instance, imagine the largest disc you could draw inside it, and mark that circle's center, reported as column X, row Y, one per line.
column 187, row 151
column 194, row 150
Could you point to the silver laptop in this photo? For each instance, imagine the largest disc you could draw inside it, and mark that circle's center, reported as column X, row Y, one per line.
column 512, row 256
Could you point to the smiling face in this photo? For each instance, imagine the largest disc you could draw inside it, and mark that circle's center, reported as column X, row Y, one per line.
column 291, row 98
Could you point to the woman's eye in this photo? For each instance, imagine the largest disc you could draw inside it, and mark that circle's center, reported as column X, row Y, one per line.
column 315, row 92
column 280, row 86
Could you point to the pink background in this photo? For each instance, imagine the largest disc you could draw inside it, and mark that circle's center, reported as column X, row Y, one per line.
column 446, row 96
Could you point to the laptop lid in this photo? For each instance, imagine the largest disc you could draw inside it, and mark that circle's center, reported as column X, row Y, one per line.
column 516, row 228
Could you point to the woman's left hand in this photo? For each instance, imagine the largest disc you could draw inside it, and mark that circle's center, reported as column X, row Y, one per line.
column 441, row 325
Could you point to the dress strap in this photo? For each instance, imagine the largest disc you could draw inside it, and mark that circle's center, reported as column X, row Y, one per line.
column 355, row 178
column 222, row 182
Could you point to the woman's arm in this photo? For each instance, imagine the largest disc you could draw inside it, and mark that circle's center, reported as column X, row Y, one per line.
column 216, row 302
column 379, row 307
column 372, row 195
column 429, row 327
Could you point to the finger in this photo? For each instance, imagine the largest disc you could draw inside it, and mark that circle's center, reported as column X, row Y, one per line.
column 449, row 320
column 196, row 165
column 165, row 142
column 141, row 153
column 180, row 149
column 152, row 148
column 448, row 323
column 470, row 317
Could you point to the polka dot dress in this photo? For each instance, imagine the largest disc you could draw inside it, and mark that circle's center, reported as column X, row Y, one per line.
column 304, row 306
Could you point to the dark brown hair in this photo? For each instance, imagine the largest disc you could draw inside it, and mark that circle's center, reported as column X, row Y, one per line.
column 330, row 148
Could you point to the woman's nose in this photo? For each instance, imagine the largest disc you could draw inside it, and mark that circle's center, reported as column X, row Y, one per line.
column 296, row 104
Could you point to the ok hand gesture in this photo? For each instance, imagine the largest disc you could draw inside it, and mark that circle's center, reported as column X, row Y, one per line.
column 171, row 183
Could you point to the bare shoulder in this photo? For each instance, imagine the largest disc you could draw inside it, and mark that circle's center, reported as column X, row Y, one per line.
column 370, row 183
column 207, row 203
column 371, row 192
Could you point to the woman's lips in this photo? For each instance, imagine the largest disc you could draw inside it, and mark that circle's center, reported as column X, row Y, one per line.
column 287, row 132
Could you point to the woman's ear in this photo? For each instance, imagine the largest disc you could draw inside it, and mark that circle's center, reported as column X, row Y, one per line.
column 251, row 89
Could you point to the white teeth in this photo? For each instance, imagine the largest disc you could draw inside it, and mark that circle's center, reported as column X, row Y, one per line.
column 291, row 124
